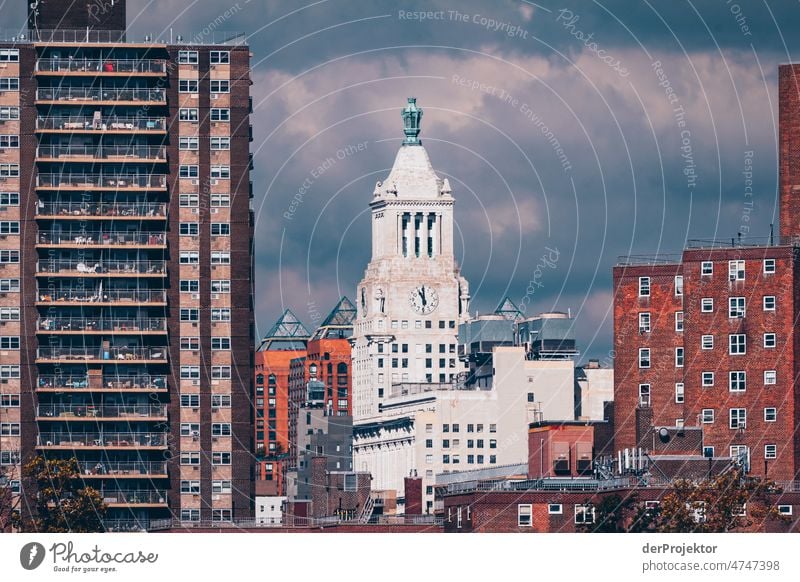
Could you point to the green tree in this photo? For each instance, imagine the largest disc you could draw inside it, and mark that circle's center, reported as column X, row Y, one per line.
column 8, row 503
column 59, row 499
column 611, row 514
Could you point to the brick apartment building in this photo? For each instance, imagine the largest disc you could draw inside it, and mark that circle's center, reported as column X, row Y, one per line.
column 125, row 262
column 707, row 338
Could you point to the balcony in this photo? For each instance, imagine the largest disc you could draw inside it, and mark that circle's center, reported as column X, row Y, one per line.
column 106, row 153
column 108, row 239
column 144, row 497
column 105, row 67
column 101, row 440
column 100, row 96
column 111, row 298
column 97, row 355
column 107, row 182
column 129, row 412
column 102, row 325
column 111, row 124
column 101, row 210
column 132, row 470
column 105, row 383
column 102, row 268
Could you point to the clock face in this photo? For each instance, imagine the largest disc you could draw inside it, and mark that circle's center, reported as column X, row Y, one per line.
column 424, row 299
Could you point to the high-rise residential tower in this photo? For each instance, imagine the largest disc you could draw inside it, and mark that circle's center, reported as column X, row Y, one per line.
column 125, row 262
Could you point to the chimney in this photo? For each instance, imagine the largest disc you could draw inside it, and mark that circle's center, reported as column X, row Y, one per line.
column 413, row 494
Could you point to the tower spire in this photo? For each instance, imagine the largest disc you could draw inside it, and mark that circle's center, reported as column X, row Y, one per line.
column 411, row 118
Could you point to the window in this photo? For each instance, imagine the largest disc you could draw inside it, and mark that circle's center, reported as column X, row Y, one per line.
column 188, row 86
column 736, row 270
column 770, row 451
column 221, row 314
column 219, row 429
column 584, row 514
column 9, row 429
column 220, row 257
column 707, row 304
column 707, row 416
column 644, row 394
column 190, row 487
column 220, row 229
column 190, row 400
column 190, row 429
column 678, row 285
column 188, row 57
column 707, row 268
column 644, row 322
column 219, row 86
column 770, row 377
column 220, row 114
column 446, row 459
column 9, row 457
column 707, row 342
column 189, row 200
column 785, row 509
column 220, row 200
column 555, row 508
column 9, row 372
column 190, row 515
column 220, row 458
column 224, row 486
column 708, row 452
column 9, row 400
column 9, row 342
column 188, row 114
column 189, row 314
column 190, row 458
column 679, row 393
column 189, row 285
column 189, row 228
column 189, row 143
column 770, row 415
column 644, row 357
column 9, row 198
column 221, row 514
column 737, row 344
column 524, row 515
column 769, row 303
column 9, row 257
column 190, row 343
column 190, row 373
column 9, row 55
column 769, row 266
column 738, row 418
column 187, row 171
column 9, row 83
column 9, row 313
column 737, row 381
column 9, row 227
column 679, row 357
column 220, row 372
column 455, row 427
column 9, row 285
column 220, row 57
column 9, row 142
column 770, row 340
column 220, row 401
column 679, row 321
column 221, row 172
column 7, row 113
column 736, row 307
column 644, row 286
column 221, row 344
column 708, row 379
column 220, row 143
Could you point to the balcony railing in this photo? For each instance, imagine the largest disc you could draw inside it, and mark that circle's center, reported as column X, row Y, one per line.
column 99, row 238
column 290, row 521
column 72, row 65
column 80, row 94
column 83, row 295
column 104, row 468
column 116, row 181
column 112, row 153
column 102, row 439
column 138, row 497
column 102, row 324
column 96, row 353
column 104, row 267
column 129, row 411
column 109, row 209
column 113, row 123
column 125, row 525
column 111, row 382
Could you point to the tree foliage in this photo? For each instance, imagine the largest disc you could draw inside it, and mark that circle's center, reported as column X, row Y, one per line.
column 58, row 498
column 8, row 505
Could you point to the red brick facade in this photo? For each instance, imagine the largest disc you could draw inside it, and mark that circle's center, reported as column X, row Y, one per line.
column 789, row 145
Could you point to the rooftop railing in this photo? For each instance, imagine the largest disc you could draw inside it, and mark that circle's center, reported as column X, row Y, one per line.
column 288, row 521
column 89, row 36
column 115, row 123
column 143, row 95
column 84, row 65
column 644, row 260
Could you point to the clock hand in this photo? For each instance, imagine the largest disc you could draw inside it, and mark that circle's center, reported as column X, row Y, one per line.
column 422, row 292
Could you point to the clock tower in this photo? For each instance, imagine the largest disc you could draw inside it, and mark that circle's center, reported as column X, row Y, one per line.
column 412, row 297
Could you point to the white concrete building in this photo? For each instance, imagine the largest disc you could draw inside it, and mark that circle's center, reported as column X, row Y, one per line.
column 594, row 386
column 269, row 509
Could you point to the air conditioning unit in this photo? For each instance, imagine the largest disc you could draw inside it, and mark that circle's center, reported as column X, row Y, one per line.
column 195, row 433
column 195, row 182
column 195, row 295
column 195, row 211
column 194, row 324
column 214, row 409
column 195, row 410
column 214, row 439
column 214, row 182
column 215, row 296
column 214, row 96
column 733, row 277
column 214, row 210
column 195, row 383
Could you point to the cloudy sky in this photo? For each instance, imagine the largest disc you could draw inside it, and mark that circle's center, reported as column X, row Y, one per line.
column 576, row 130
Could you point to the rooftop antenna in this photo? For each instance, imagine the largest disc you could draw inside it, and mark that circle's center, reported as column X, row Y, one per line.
column 771, row 234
